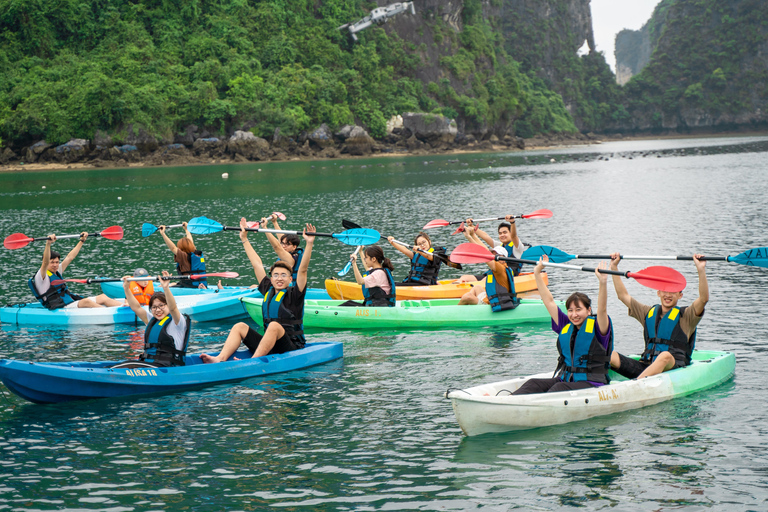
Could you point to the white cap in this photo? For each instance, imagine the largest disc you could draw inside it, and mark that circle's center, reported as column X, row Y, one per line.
column 500, row 251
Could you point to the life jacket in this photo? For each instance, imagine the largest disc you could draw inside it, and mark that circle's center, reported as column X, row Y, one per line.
column 159, row 346
column 196, row 266
column 142, row 294
column 57, row 296
column 291, row 318
column 665, row 334
column 298, row 254
column 514, row 267
column 499, row 297
column 589, row 360
column 375, row 296
column 422, row 270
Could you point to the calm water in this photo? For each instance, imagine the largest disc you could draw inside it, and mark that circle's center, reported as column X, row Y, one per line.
column 372, row 431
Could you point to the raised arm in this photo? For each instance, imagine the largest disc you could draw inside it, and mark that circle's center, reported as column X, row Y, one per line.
column 703, row 298
column 74, row 252
column 187, row 234
column 602, row 300
column 513, row 230
column 256, row 263
column 168, row 241
column 301, row 277
column 282, row 254
column 47, row 255
column 358, row 275
column 169, row 298
column 618, row 284
column 546, row 295
column 403, row 249
column 133, row 303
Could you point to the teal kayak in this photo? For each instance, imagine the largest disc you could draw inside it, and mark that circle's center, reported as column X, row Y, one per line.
column 410, row 314
column 491, row 407
column 115, row 291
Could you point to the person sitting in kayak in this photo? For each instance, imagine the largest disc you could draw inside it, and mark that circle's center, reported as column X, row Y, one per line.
column 508, row 240
column 282, row 310
column 142, row 290
column 167, row 334
column 498, row 286
column 188, row 259
column 424, row 265
column 287, row 249
column 377, row 281
column 584, row 341
column 58, row 296
column 669, row 331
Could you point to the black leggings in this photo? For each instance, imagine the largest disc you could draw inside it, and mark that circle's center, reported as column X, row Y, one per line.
column 553, row 385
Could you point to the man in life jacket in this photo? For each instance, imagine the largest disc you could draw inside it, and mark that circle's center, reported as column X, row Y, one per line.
column 287, row 248
column 189, row 260
column 141, row 290
column 669, row 330
column 57, row 295
column 508, row 240
column 282, row 309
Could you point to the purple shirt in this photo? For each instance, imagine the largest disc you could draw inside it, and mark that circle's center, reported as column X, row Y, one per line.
column 604, row 339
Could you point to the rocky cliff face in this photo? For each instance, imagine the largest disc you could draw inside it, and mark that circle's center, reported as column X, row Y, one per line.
column 633, row 48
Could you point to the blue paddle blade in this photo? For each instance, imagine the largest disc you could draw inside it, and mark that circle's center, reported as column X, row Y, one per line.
column 346, row 269
column 147, row 229
column 359, row 236
column 555, row 254
column 754, row 257
column 203, row 226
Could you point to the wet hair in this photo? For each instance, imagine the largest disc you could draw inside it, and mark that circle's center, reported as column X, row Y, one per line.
column 55, row 255
column 291, row 239
column 578, row 297
column 157, row 296
column 422, row 235
column 505, row 224
column 281, row 264
column 377, row 253
column 186, row 245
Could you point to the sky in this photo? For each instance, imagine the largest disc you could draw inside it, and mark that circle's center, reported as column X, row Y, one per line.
column 610, row 17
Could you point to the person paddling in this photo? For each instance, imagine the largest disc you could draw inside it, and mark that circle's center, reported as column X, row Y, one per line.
column 58, row 296
column 189, row 260
column 508, row 240
column 377, row 281
column 282, row 310
column 424, row 265
column 167, row 334
column 669, row 331
column 584, row 339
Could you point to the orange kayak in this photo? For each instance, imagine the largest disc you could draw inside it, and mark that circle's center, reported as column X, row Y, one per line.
column 445, row 289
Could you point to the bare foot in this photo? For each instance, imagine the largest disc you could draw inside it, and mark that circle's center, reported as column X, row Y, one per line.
column 209, row 359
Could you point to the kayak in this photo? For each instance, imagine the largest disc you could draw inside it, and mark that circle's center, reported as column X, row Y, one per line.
column 414, row 314
column 479, row 410
column 445, row 289
column 45, row 383
column 115, row 291
column 200, row 308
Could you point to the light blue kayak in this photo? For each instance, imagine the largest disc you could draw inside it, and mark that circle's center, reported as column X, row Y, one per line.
column 200, row 308
column 115, row 291
column 62, row 382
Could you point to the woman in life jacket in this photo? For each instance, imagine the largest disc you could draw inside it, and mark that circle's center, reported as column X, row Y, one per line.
column 584, row 339
column 167, row 333
column 424, row 263
column 188, row 259
column 282, row 309
column 287, row 248
column 377, row 281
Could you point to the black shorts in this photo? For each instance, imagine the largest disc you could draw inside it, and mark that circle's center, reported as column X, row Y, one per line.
column 282, row 345
column 630, row 368
column 552, row 385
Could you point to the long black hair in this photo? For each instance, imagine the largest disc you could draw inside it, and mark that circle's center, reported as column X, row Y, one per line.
column 377, row 253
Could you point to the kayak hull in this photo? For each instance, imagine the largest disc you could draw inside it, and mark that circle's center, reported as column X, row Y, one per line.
column 116, row 291
column 200, row 308
column 445, row 289
column 479, row 411
column 416, row 314
column 64, row 382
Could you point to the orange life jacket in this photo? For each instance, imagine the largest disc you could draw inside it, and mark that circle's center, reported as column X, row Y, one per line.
column 142, row 294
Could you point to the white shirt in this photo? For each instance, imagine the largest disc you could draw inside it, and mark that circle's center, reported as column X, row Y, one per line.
column 517, row 250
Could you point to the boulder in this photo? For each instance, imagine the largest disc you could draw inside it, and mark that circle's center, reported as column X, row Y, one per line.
column 7, row 155
column 209, row 146
column 430, row 128
column 72, row 151
column 329, row 152
column 344, row 131
column 395, row 123
column 126, row 153
column 358, row 142
column 321, row 137
column 35, row 150
column 248, row 146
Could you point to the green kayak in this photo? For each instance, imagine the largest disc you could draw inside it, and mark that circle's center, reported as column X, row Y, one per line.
column 410, row 314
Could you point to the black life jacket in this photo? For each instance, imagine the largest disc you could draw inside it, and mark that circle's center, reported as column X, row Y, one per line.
column 57, row 296
column 514, row 267
column 291, row 318
column 665, row 334
column 499, row 297
column 423, row 271
column 160, row 347
column 298, row 254
column 588, row 360
column 375, row 296
column 196, row 266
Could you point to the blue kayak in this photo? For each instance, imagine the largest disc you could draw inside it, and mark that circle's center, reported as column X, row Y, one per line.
column 62, row 382
column 200, row 308
column 116, row 291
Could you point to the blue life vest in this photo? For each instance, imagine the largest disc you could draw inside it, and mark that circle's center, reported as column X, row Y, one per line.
column 291, row 318
column 668, row 336
column 298, row 254
column 588, row 360
column 499, row 297
column 57, row 296
column 375, row 296
column 423, row 271
column 196, row 266
column 159, row 346
column 515, row 267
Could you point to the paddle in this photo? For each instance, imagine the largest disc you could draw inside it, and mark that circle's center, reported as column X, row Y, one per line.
column 348, row 224
column 538, row 214
column 348, row 266
column 148, row 229
column 19, row 240
column 206, row 226
column 757, row 257
column 278, row 215
column 658, row 278
column 92, row 280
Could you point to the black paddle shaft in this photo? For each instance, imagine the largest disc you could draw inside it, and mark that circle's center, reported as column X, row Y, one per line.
column 575, row 267
column 278, row 231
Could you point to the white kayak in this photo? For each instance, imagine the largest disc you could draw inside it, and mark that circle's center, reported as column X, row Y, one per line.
column 115, row 290
column 491, row 407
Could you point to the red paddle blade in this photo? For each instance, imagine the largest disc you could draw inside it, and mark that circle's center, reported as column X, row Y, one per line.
column 215, row 274
column 437, row 223
column 660, row 278
column 113, row 233
column 471, row 253
column 459, row 229
column 57, row 282
column 279, row 215
column 538, row 214
column 252, row 225
column 16, row 241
